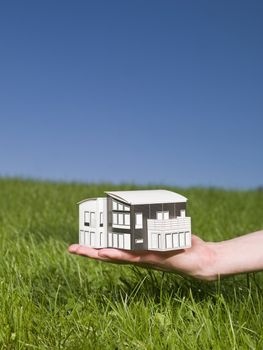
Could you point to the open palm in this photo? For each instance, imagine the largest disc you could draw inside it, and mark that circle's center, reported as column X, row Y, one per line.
column 189, row 261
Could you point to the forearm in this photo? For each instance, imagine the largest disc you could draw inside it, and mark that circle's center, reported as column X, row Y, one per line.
column 234, row 256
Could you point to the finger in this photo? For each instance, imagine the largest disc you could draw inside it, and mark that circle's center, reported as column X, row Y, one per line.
column 86, row 251
column 119, row 255
column 141, row 259
column 146, row 259
column 138, row 257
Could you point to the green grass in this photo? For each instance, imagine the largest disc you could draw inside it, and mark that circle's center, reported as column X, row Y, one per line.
column 52, row 300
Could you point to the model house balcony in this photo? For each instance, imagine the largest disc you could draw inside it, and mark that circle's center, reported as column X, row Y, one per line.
column 169, row 225
column 168, row 234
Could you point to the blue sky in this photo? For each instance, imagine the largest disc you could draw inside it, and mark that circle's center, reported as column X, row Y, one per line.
column 132, row 91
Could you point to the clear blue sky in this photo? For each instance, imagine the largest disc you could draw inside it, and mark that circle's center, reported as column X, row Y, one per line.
column 132, row 91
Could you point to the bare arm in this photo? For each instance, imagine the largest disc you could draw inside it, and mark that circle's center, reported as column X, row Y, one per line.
column 204, row 260
column 238, row 255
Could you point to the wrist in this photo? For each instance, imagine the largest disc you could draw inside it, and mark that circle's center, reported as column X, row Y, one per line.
column 209, row 268
column 218, row 263
column 230, row 257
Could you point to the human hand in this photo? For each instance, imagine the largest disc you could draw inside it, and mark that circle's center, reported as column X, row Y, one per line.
column 196, row 261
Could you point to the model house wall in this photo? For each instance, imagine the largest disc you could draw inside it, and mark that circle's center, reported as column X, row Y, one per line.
column 119, row 224
column 136, row 220
column 93, row 223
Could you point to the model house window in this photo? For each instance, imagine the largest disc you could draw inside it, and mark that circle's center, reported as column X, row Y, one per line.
column 181, row 239
column 121, row 241
column 116, row 206
column 92, row 219
column 86, row 218
column 166, row 215
column 121, row 220
column 101, row 219
column 92, row 239
column 168, row 241
column 120, row 206
column 159, row 215
column 101, row 238
column 114, row 218
column 115, row 240
column 127, row 219
column 87, row 238
column 182, row 213
column 162, row 215
column 175, row 240
column 138, row 220
column 120, row 217
column 156, row 240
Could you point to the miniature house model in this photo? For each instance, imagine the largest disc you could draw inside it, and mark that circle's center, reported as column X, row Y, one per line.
column 135, row 220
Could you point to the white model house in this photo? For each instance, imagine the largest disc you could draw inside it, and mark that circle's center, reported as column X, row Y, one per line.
column 135, row 220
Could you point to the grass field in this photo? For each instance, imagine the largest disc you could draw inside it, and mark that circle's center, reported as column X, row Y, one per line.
column 52, row 300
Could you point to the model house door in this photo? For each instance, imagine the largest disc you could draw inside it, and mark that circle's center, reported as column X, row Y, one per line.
column 162, row 215
column 156, row 241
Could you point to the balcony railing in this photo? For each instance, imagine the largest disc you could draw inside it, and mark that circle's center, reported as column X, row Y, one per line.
column 180, row 224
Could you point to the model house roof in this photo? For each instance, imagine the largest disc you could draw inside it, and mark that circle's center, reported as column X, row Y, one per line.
column 147, row 196
column 88, row 199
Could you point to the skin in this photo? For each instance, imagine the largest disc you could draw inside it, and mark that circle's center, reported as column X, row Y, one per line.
column 204, row 260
